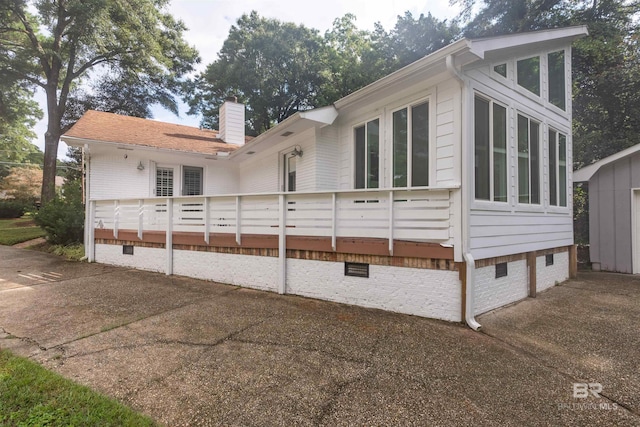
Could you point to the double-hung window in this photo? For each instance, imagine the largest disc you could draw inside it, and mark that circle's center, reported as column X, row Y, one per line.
column 557, row 169
column 411, row 146
column 490, row 156
column 367, row 146
column 528, row 160
column 191, row 181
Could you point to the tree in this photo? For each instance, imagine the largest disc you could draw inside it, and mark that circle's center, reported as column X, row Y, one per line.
column 274, row 68
column 56, row 47
column 23, row 183
column 414, row 38
column 354, row 58
column 18, row 115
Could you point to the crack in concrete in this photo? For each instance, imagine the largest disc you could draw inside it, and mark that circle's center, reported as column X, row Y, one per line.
column 24, row 339
column 554, row 368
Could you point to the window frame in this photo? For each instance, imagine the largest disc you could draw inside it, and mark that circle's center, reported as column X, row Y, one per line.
column 492, row 102
column 430, row 142
column 566, row 89
column 558, row 180
column 183, row 180
column 540, row 160
column 365, row 124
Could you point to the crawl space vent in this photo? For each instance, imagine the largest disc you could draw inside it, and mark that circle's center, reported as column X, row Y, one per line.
column 356, row 269
column 127, row 249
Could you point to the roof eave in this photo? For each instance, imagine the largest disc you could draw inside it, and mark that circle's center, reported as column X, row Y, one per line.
column 75, row 141
column 586, row 173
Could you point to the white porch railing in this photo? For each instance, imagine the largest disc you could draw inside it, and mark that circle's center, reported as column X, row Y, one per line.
column 422, row 215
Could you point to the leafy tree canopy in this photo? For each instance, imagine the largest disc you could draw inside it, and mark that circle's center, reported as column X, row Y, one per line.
column 277, row 68
column 56, row 44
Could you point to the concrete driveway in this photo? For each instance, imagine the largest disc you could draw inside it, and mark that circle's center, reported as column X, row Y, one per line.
column 188, row 352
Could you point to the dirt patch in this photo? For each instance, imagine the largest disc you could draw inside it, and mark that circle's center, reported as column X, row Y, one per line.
column 40, row 241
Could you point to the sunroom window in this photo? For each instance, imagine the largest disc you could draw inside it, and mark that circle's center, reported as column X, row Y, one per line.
column 411, row 146
column 501, row 69
column 490, row 141
column 557, row 169
column 528, row 160
column 528, row 74
column 367, row 146
column 557, row 95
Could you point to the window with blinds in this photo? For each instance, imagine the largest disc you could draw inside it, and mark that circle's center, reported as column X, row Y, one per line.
column 164, row 182
column 191, row 181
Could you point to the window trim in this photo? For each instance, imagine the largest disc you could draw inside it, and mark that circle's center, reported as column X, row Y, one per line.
column 541, row 139
column 557, row 206
column 182, row 179
column 366, row 142
column 430, row 138
column 491, row 102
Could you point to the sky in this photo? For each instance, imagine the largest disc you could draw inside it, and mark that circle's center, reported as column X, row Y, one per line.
column 209, row 22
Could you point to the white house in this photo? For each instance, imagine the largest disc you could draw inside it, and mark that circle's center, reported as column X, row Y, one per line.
column 441, row 190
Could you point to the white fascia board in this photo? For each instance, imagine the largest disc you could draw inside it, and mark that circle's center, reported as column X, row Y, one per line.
column 481, row 46
column 300, row 121
column 584, row 174
column 324, row 115
column 80, row 142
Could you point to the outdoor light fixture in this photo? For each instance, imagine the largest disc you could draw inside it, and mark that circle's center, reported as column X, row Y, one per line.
column 140, row 166
column 297, row 151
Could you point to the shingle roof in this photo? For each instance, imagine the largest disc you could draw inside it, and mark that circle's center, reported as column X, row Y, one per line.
column 115, row 128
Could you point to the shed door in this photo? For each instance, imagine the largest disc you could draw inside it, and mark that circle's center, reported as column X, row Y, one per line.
column 636, row 231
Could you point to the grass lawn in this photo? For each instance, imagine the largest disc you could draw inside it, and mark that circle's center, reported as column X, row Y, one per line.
column 32, row 396
column 18, row 230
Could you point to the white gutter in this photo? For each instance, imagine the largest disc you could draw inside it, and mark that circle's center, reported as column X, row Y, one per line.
column 469, row 312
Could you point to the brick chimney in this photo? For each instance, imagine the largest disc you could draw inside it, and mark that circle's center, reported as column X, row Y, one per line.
column 232, row 121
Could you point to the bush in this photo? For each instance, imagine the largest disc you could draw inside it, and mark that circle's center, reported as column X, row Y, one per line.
column 63, row 218
column 12, row 208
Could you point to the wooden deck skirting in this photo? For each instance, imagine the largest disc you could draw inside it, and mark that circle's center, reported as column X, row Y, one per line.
column 348, row 249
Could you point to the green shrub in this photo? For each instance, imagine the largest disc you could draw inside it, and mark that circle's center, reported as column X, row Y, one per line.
column 63, row 218
column 12, row 208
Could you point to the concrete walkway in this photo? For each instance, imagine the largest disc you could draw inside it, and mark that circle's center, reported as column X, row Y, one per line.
column 188, row 352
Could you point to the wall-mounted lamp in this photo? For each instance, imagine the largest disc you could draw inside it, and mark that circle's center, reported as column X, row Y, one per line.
column 297, row 151
column 140, row 166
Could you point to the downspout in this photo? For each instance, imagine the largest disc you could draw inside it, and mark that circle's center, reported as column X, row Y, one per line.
column 469, row 314
column 86, row 169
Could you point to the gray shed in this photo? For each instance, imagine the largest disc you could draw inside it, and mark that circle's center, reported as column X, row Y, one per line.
column 614, row 211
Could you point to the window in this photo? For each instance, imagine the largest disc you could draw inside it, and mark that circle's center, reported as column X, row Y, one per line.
column 164, row 182
column 548, row 260
column 557, row 168
column 411, row 146
column 290, row 172
column 191, row 181
column 528, row 160
column 556, row 79
column 490, row 137
column 501, row 69
column 501, row 270
column 367, row 145
column 528, row 74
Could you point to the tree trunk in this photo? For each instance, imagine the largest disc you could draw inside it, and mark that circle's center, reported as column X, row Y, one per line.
column 51, row 138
